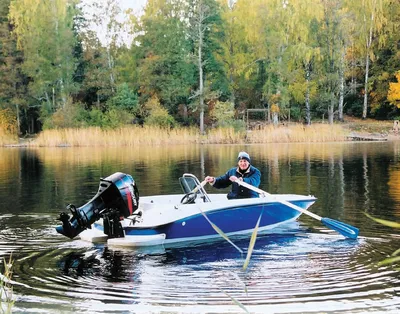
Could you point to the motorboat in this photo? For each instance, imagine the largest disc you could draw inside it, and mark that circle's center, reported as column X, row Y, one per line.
column 117, row 215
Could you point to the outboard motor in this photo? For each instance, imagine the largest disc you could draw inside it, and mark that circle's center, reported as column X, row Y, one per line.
column 117, row 197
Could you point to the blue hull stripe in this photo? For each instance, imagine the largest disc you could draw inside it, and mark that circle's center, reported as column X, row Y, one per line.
column 228, row 220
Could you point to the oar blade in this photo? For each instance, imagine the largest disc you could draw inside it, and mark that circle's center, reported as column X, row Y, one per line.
column 344, row 229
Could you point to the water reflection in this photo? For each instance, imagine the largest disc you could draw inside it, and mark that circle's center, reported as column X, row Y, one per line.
column 286, row 269
column 304, row 266
column 339, row 174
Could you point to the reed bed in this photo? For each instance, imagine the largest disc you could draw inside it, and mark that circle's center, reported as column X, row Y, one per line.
column 298, row 133
column 126, row 136
column 225, row 136
column 136, row 135
column 6, row 138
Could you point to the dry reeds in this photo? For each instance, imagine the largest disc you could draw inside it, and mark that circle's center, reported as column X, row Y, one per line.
column 6, row 290
column 225, row 136
column 136, row 135
column 126, row 136
column 298, row 134
column 7, row 138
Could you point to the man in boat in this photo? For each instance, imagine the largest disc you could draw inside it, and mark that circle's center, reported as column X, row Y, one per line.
column 243, row 172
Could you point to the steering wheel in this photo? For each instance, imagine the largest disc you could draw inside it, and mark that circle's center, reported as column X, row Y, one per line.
column 189, row 198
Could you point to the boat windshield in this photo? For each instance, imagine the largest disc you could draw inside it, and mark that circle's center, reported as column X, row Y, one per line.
column 190, row 183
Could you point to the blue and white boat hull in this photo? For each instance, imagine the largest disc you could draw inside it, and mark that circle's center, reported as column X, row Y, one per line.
column 165, row 220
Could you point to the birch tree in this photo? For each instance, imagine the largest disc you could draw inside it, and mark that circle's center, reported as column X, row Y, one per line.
column 102, row 48
column 44, row 32
column 369, row 16
column 202, row 21
column 305, row 49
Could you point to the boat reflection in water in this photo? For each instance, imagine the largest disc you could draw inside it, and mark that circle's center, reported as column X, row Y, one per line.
column 117, row 262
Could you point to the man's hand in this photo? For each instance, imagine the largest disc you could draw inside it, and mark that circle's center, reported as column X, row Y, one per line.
column 209, row 179
column 235, row 178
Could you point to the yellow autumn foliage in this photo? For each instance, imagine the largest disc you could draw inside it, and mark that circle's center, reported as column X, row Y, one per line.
column 8, row 127
column 394, row 91
column 8, row 122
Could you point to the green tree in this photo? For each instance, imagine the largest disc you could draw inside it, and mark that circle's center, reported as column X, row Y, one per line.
column 101, row 52
column 44, row 33
column 162, row 53
column 125, row 99
column 12, row 81
column 385, row 65
column 306, row 52
column 201, row 23
column 331, row 48
column 231, row 44
column 245, row 53
column 370, row 17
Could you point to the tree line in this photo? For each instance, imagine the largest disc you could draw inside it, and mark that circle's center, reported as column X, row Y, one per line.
column 67, row 63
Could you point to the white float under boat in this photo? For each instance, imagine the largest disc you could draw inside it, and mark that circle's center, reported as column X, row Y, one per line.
column 118, row 216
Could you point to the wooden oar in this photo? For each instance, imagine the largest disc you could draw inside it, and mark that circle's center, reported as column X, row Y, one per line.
column 344, row 229
column 198, row 187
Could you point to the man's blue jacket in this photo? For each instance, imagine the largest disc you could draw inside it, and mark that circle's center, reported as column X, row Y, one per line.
column 251, row 176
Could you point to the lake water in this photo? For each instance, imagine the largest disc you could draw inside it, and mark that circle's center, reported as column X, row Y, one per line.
column 303, row 268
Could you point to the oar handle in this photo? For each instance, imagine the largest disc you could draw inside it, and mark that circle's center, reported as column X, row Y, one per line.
column 202, row 184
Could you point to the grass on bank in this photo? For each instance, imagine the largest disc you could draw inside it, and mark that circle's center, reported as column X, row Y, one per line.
column 136, row 135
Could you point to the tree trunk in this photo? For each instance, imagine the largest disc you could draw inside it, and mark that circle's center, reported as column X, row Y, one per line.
column 200, row 65
column 330, row 109
column 110, row 61
column 369, row 42
column 54, row 99
column 18, row 120
column 63, row 97
column 308, row 109
column 48, row 99
column 353, row 84
column 341, row 87
column 365, row 106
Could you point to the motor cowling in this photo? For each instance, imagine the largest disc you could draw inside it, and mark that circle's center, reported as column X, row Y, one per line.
column 117, row 193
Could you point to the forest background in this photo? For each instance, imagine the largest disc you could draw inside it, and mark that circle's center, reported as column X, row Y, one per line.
column 196, row 62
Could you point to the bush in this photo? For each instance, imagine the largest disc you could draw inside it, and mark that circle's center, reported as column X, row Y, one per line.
column 75, row 116
column 222, row 112
column 70, row 116
column 95, row 118
column 160, row 117
column 125, row 99
column 296, row 114
column 157, row 115
column 116, row 118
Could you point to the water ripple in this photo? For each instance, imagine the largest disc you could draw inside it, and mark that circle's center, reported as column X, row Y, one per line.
column 296, row 271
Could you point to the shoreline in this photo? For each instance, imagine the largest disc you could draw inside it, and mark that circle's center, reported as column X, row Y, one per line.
column 353, row 129
column 351, row 137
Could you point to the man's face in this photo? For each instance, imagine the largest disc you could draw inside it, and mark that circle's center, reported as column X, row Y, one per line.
column 243, row 164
